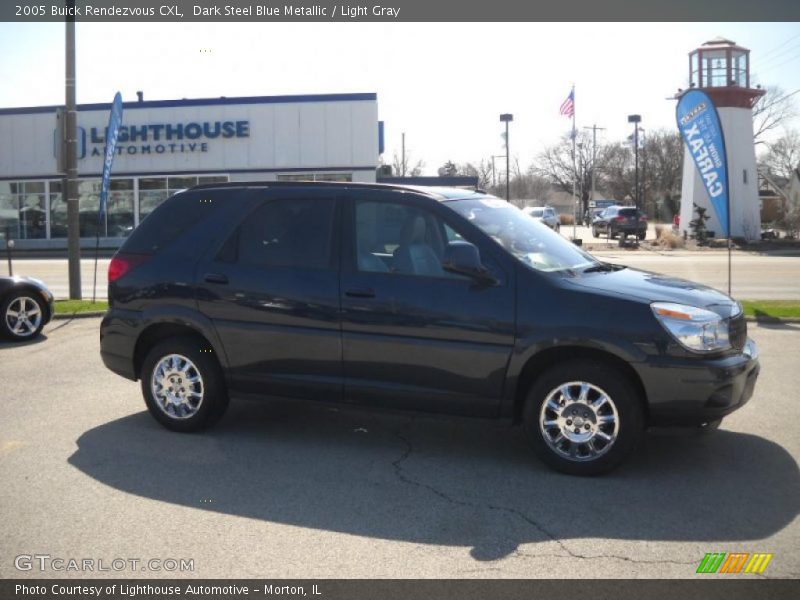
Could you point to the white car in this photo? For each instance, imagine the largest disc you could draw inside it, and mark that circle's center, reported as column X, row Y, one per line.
column 545, row 214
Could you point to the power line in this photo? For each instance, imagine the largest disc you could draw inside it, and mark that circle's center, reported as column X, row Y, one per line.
column 779, row 46
column 765, row 62
column 780, row 64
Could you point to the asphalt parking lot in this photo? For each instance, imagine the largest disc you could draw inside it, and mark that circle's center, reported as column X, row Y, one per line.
column 284, row 489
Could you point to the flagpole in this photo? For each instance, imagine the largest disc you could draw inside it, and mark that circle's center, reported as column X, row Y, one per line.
column 100, row 219
column 574, row 172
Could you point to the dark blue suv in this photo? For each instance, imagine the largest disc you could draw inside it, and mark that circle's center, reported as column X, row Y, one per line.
column 441, row 300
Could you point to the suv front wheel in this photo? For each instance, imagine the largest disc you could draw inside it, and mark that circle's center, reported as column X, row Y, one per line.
column 583, row 417
column 183, row 385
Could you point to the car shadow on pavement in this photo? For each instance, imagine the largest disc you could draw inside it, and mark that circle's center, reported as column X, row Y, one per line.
column 443, row 481
column 39, row 339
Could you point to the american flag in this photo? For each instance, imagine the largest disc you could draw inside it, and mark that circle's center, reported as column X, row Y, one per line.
column 568, row 106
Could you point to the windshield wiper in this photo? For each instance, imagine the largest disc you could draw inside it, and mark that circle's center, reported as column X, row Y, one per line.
column 603, row 267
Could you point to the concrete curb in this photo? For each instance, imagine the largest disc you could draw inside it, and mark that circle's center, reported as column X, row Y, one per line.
column 81, row 315
column 772, row 320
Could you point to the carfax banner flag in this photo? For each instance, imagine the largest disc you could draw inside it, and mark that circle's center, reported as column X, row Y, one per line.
column 112, row 134
column 700, row 127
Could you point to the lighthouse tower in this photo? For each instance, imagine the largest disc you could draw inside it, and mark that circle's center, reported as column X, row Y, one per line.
column 722, row 70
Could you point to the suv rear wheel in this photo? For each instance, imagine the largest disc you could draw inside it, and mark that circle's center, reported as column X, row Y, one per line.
column 583, row 417
column 183, row 385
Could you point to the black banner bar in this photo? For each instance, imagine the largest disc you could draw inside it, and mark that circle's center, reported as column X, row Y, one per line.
column 705, row 588
column 401, row 10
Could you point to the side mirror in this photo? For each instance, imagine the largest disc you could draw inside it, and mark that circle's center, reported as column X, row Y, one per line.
column 464, row 258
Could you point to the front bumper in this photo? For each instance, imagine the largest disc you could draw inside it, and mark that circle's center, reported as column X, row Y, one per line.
column 692, row 391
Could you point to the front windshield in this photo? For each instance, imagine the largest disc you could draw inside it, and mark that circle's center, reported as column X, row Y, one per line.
column 535, row 244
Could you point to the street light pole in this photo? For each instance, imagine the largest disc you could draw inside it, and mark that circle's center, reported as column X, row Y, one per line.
column 403, row 156
column 507, row 118
column 635, row 119
column 70, row 186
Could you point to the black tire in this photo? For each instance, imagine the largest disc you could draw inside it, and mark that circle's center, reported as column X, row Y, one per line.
column 595, row 233
column 33, row 302
column 641, row 236
column 214, row 399
column 621, row 391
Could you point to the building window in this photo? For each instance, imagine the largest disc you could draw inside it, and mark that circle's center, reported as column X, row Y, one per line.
column 315, row 177
column 22, row 210
column 152, row 192
column 9, row 209
column 58, row 212
column 212, row 179
column 176, row 184
column 119, row 212
column 88, row 206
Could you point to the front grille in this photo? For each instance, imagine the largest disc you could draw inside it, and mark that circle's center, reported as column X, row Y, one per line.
column 738, row 331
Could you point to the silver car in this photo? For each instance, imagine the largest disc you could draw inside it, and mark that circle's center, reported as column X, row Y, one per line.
column 545, row 214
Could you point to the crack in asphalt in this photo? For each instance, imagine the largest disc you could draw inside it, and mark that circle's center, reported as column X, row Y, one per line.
column 399, row 472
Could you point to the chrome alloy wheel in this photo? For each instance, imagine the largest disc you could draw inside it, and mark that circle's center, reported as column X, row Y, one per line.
column 23, row 316
column 177, row 386
column 579, row 421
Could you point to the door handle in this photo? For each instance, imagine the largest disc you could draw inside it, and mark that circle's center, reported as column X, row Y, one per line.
column 360, row 293
column 216, row 278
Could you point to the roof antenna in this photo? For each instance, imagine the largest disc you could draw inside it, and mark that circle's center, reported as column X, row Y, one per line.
column 140, row 96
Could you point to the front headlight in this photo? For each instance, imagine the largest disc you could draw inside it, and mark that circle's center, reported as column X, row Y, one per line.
column 696, row 329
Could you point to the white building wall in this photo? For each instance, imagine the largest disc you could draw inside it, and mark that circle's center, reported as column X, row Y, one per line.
column 288, row 135
column 737, row 125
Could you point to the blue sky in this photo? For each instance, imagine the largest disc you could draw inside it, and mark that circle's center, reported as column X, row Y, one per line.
column 443, row 84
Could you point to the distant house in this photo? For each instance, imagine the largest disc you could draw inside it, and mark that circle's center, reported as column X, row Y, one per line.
column 778, row 198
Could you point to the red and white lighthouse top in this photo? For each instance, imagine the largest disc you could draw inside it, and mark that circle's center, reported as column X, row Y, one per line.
column 722, row 70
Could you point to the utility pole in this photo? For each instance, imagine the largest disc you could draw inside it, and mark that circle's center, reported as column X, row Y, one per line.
column 594, row 129
column 635, row 119
column 644, row 169
column 70, row 185
column 507, row 118
column 403, row 155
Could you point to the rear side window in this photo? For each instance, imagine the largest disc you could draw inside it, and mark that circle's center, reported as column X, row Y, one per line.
column 171, row 220
column 292, row 232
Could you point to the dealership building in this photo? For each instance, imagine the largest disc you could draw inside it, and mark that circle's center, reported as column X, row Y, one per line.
column 168, row 145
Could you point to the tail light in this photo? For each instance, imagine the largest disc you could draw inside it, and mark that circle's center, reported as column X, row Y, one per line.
column 643, row 217
column 620, row 219
column 124, row 263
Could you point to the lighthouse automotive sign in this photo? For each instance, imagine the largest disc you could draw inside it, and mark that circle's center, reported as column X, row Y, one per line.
column 699, row 124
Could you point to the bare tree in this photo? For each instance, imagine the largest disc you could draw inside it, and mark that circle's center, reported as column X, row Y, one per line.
column 406, row 166
column 772, row 110
column 563, row 169
column 782, row 157
column 618, row 171
column 482, row 171
column 662, row 155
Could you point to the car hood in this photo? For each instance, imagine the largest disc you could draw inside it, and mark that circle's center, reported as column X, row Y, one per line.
column 650, row 287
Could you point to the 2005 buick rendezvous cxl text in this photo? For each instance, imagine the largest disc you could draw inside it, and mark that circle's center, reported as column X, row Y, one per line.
column 442, row 300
